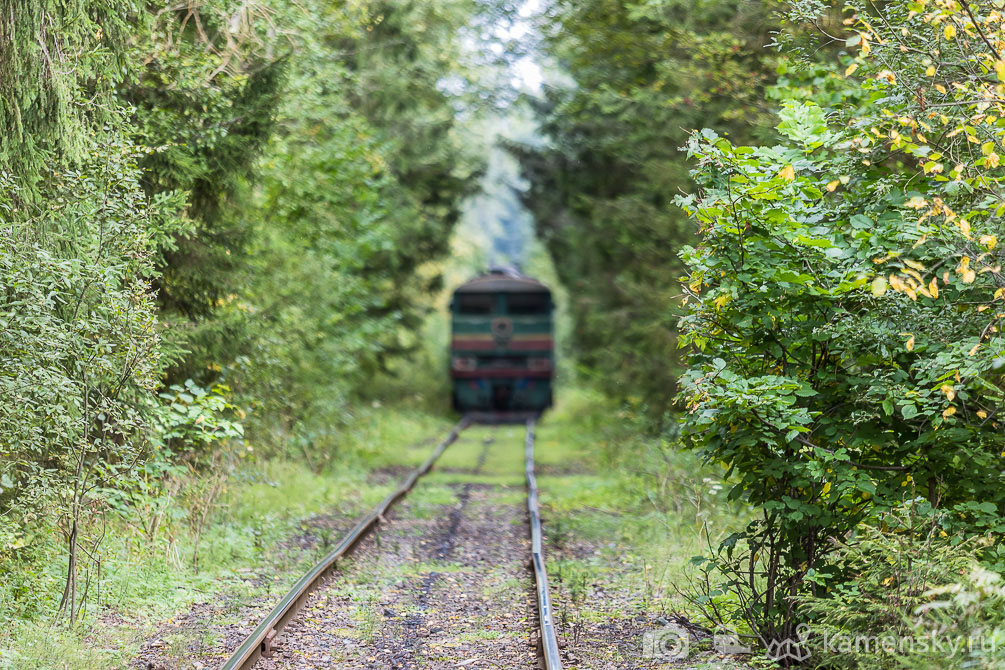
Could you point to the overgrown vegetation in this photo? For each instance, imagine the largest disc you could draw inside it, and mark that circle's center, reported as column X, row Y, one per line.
column 602, row 188
column 269, row 522
column 220, row 223
column 213, row 214
column 845, row 311
column 842, row 301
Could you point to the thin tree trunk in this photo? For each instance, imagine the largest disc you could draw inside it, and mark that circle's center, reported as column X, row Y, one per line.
column 202, row 521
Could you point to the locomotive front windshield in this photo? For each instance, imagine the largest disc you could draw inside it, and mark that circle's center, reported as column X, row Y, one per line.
column 475, row 303
column 528, row 303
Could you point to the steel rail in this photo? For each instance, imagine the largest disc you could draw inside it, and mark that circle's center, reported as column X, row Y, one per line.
column 263, row 637
column 548, row 641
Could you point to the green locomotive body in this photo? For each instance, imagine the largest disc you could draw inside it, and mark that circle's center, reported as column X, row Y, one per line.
column 502, row 346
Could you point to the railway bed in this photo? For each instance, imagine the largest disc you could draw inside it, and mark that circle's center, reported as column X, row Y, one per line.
column 445, row 585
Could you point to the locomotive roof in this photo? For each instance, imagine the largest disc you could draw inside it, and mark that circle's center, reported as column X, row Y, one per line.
column 502, row 281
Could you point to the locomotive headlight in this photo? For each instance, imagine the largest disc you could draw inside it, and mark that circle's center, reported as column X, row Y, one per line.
column 539, row 364
column 464, row 363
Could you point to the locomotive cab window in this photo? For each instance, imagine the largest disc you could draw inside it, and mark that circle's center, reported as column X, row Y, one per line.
column 474, row 303
column 528, row 303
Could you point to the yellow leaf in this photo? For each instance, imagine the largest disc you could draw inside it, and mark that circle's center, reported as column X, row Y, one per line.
column 942, row 89
column 974, row 349
column 914, row 264
column 827, row 488
column 910, row 343
column 788, row 173
column 1000, row 70
column 930, row 71
column 949, row 412
column 969, row 276
column 989, row 241
column 949, row 390
column 992, row 160
column 933, row 288
column 981, row 414
column 879, row 286
column 833, row 185
column 851, row 69
column 949, row 31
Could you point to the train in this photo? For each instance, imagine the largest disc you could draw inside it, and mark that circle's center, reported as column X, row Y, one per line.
column 502, row 354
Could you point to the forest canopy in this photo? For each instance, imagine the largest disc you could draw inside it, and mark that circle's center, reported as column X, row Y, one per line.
column 213, row 214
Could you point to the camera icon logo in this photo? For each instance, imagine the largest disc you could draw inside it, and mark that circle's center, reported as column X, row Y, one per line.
column 668, row 643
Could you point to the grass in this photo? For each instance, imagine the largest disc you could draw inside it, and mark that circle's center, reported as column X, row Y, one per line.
column 146, row 582
column 639, row 507
column 623, row 513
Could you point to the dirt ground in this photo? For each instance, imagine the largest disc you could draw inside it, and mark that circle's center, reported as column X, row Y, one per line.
column 444, row 583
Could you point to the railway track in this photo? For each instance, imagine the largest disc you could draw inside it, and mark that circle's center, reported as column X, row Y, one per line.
column 265, row 637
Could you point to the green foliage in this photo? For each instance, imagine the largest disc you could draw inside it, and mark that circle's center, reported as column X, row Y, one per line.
column 79, row 342
column 843, row 318
column 893, row 571
column 58, row 62
column 643, row 73
column 918, row 599
column 208, row 210
column 349, row 208
column 205, row 91
column 972, row 609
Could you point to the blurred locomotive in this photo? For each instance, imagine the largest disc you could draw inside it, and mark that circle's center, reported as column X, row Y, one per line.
column 502, row 357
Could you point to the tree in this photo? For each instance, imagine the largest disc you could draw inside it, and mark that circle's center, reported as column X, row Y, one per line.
column 78, row 343
column 204, row 194
column 844, row 307
column 643, row 73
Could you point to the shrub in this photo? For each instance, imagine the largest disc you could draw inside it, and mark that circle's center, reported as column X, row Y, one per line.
column 865, row 622
column 846, row 303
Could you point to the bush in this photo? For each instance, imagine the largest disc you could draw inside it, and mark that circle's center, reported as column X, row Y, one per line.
column 890, row 570
column 845, row 306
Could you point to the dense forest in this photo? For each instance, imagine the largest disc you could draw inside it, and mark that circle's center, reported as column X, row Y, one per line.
column 213, row 217
column 778, row 227
column 816, row 305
